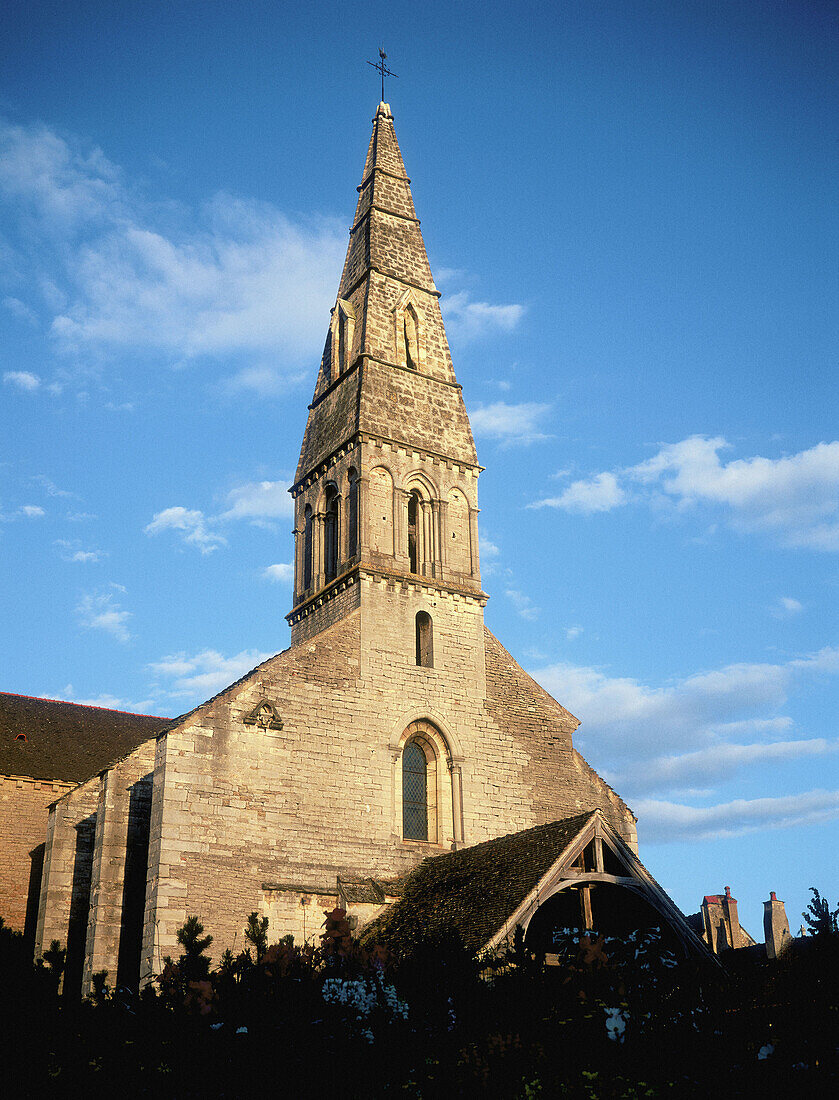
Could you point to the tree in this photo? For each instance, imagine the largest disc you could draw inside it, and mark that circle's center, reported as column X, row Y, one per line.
column 194, row 964
column 821, row 920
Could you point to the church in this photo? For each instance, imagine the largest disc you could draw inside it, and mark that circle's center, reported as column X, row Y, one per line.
column 395, row 760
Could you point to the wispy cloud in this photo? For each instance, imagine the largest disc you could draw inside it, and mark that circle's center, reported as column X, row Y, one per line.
column 510, row 424
column 282, row 572
column 202, row 674
column 669, row 821
column 794, row 498
column 468, row 319
column 785, row 607
column 259, row 500
column 692, row 731
column 601, row 493
column 100, row 611
column 71, row 551
column 191, row 523
column 234, row 278
column 523, row 604
column 22, row 380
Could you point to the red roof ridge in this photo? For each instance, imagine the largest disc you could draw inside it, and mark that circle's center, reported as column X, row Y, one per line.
column 86, row 706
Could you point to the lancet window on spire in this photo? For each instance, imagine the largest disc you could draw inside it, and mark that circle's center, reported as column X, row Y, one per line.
column 341, row 336
column 408, row 334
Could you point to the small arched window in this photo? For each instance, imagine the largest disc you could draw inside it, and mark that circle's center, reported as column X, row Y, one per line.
column 307, row 548
column 414, row 793
column 330, row 534
column 425, row 640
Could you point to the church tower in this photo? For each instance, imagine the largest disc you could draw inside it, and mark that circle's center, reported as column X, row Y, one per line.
column 395, row 727
column 386, row 486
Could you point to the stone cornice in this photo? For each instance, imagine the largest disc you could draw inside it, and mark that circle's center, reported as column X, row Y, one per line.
column 351, row 442
column 382, row 210
column 353, row 575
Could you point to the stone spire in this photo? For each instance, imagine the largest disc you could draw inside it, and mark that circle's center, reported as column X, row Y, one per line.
column 386, row 320
column 387, row 477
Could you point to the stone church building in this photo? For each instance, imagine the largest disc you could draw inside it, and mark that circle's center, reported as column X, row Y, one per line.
column 394, row 728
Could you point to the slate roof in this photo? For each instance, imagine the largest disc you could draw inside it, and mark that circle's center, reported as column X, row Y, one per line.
column 472, row 892
column 67, row 741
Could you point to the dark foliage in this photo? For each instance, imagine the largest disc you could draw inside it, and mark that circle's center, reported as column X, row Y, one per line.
column 820, row 918
column 605, row 1019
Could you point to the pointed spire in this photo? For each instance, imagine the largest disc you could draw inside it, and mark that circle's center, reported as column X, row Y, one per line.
column 386, row 320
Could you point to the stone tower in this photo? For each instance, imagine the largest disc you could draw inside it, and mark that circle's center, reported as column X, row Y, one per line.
column 386, row 486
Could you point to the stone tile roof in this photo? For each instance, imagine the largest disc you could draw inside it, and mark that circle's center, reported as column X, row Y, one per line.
column 67, row 741
column 472, row 892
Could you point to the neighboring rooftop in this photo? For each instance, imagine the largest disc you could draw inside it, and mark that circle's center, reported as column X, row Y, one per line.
column 472, row 892
column 50, row 739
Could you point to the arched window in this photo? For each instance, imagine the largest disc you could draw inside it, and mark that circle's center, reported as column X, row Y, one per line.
column 425, row 640
column 330, row 534
column 414, row 793
column 307, row 548
column 414, row 529
column 352, row 513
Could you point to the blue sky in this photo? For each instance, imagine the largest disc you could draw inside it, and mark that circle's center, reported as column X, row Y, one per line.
column 630, row 209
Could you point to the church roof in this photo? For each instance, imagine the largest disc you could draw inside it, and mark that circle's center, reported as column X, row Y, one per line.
column 386, row 269
column 50, row 739
column 471, row 893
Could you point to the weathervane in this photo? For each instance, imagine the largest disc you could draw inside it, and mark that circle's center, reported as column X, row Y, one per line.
column 383, row 69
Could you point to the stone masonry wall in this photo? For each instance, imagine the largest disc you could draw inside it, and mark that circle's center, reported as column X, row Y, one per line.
column 23, row 819
column 114, row 931
column 237, row 807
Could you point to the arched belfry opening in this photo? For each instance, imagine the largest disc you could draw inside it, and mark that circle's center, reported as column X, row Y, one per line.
column 352, row 512
column 308, row 546
column 424, row 639
column 330, row 533
column 415, row 530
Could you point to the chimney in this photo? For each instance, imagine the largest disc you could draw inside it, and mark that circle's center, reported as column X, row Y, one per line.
column 732, row 920
column 775, row 927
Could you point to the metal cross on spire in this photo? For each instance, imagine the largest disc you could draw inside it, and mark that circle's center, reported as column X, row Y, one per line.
column 383, row 69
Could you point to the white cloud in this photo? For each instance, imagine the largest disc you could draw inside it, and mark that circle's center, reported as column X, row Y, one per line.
column 523, row 604
column 597, row 494
column 468, row 319
column 101, row 612
column 661, row 821
column 795, row 497
column 647, row 739
column 31, row 511
column 21, row 311
column 233, row 278
column 259, row 500
column 191, row 523
column 573, row 632
column 70, row 551
column 51, row 488
column 282, row 572
column 510, row 424
column 22, row 379
column 786, row 606
column 203, row 674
